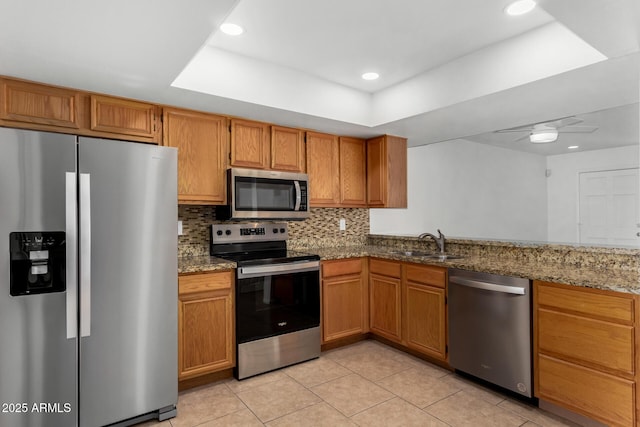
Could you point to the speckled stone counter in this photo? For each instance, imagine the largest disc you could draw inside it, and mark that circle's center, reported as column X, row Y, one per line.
column 202, row 264
column 613, row 279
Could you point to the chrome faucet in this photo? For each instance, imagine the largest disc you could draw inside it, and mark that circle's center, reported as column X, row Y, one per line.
column 440, row 242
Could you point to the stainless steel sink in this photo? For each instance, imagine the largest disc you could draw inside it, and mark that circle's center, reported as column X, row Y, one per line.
column 443, row 257
column 412, row 253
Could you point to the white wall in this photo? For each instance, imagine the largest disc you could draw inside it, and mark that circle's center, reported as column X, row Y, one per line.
column 562, row 185
column 470, row 190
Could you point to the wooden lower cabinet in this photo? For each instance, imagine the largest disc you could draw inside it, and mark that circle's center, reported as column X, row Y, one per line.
column 425, row 309
column 205, row 323
column 585, row 351
column 385, row 299
column 345, row 299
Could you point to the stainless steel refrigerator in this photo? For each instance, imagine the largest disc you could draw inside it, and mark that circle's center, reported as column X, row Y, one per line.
column 88, row 280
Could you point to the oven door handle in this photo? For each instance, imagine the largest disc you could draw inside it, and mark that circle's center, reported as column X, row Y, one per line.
column 275, row 269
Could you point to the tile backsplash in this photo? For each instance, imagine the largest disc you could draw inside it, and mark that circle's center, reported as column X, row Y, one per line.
column 321, row 229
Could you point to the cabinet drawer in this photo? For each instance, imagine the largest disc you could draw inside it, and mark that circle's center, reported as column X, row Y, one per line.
column 600, row 396
column 603, row 343
column 385, row 268
column 341, row 267
column 205, row 282
column 585, row 301
column 434, row 276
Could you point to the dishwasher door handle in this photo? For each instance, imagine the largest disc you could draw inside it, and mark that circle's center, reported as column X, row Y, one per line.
column 487, row 286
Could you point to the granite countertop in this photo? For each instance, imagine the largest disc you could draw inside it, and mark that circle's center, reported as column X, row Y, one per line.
column 202, row 264
column 627, row 281
column 619, row 280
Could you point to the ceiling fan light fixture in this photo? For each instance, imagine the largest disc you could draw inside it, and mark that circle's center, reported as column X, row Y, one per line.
column 520, row 7
column 544, row 136
column 231, row 29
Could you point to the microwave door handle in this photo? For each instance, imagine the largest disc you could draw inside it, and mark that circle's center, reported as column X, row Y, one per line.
column 298, row 195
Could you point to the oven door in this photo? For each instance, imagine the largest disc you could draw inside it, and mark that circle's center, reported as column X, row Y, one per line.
column 276, row 299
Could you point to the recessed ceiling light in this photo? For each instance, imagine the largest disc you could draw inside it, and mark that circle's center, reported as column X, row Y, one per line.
column 370, row 76
column 520, row 7
column 572, row 147
column 231, row 29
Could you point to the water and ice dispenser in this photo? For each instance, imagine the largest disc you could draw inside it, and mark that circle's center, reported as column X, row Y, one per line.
column 38, row 262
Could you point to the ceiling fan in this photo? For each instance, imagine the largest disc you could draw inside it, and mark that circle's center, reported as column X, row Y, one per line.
column 539, row 133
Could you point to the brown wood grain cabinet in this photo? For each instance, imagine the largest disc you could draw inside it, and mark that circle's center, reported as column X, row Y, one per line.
column 287, row 149
column 205, row 323
column 124, row 117
column 353, row 172
column 250, row 144
column 202, row 142
column 425, row 309
column 585, row 351
column 385, row 299
column 323, row 167
column 345, row 299
column 33, row 103
column 387, row 172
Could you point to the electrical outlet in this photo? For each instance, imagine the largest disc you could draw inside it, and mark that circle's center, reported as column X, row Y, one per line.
column 343, row 224
column 179, row 228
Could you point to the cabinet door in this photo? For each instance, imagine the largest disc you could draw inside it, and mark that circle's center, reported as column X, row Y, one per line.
column 385, row 309
column 353, row 176
column 123, row 117
column 323, row 167
column 345, row 299
column 425, row 317
column 604, row 397
column 249, row 144
column 202, row 142
column 34, row 103
column 387, row 172
column 287, row 149
column 205, row 324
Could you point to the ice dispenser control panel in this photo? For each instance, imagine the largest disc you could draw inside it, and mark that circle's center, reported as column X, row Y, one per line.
column 38, row 262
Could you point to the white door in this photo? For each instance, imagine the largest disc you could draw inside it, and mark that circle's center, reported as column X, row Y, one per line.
column 609, row 207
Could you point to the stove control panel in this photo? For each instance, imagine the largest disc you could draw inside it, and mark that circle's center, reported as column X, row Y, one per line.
column 248, row 232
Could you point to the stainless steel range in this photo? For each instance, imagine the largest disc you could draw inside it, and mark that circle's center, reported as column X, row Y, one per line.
column 277, row 296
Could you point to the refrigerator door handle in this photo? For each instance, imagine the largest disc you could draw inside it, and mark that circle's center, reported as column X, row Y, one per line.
column 71, row 241
column 85, row 255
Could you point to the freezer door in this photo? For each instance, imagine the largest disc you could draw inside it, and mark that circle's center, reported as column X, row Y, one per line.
column 128, row 279
column 38, row 363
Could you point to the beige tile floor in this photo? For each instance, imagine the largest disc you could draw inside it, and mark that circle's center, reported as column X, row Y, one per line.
column 364, row 384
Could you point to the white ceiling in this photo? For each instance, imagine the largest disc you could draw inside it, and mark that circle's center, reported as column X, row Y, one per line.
column 449, row 68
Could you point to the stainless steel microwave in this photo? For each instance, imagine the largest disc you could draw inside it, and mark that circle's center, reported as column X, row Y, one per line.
column 260, row 194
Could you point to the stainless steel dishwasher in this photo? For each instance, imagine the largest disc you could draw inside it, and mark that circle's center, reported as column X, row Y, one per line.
column 490, row 328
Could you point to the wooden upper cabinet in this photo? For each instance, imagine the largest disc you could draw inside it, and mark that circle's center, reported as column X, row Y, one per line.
column 387, row 172
column 39, row 104
column 323, row 167
column 250, row 146
column 202, row 142
column 353, row 172
column 287, row 149
column 123, row 117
